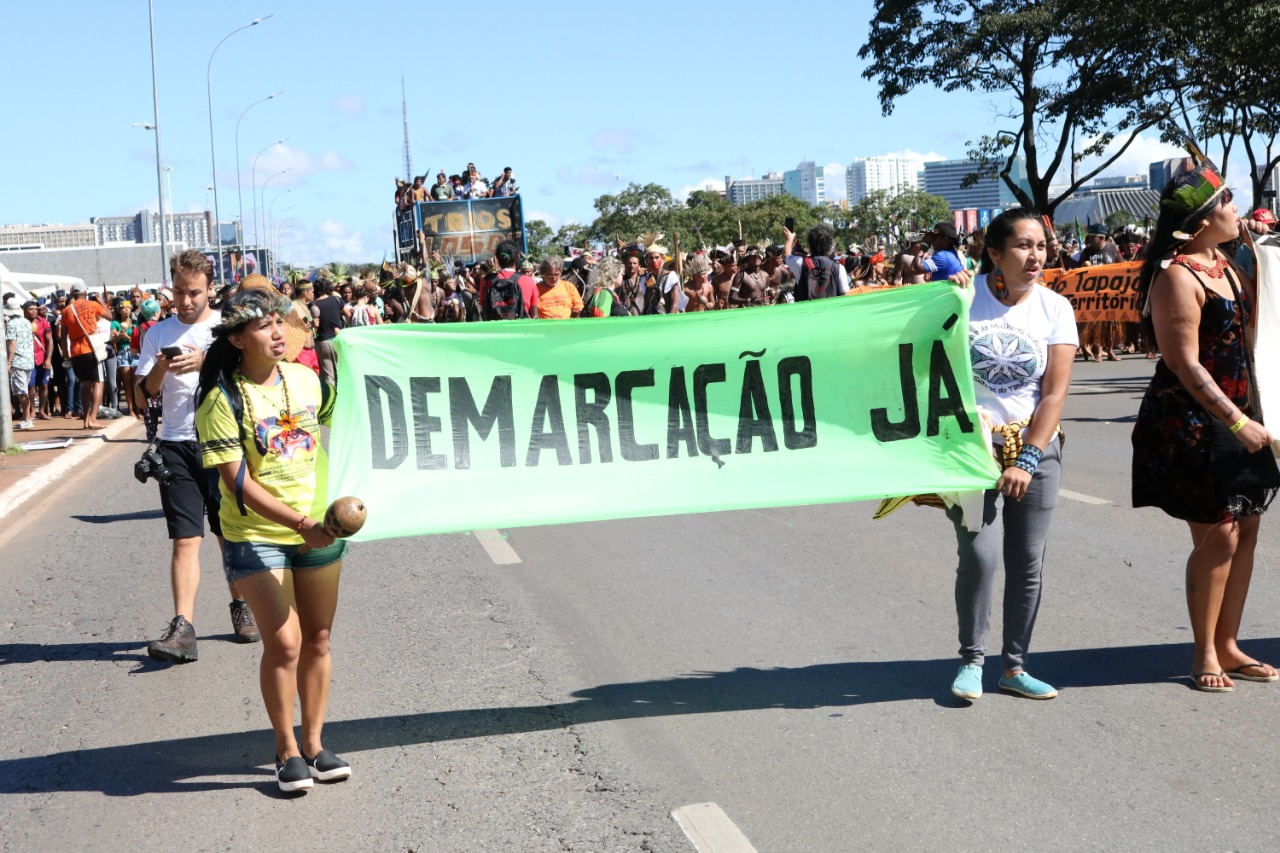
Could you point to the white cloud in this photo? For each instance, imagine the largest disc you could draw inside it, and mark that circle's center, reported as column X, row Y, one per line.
column 716, row 184
column 909, row 154
column 618, row 140
column 298, row 161
column 1143, row 151
column 349, row 105
column 342, row 242
column 590, row 176
column 553, row 221
column 833, row 174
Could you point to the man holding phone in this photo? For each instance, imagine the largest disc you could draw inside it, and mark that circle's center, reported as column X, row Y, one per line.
column 169, row 364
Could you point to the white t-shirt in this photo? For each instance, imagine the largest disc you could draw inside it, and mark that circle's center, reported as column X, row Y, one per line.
column 179, row 392
column 1009, row 348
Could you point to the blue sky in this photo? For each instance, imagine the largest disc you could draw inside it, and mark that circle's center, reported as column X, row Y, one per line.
column 579, row 98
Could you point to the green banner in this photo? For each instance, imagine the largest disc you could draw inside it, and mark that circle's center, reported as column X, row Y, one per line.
column 442, row 428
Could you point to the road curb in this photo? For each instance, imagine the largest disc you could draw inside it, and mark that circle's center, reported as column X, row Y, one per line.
column 29, row 486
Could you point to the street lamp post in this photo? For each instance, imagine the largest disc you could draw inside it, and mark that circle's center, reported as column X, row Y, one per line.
column 253, row 189
column 213, row 157
column 270, row 212
column 168, row 178
column 261, row 195
column 239, row 190
column 281, row 228
column 155, row 128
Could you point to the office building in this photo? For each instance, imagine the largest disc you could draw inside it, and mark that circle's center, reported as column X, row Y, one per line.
column 144, row 227
column 866, row 175
column 946, row 178
column 752, row 189
column 807, row 183
column 47, row 236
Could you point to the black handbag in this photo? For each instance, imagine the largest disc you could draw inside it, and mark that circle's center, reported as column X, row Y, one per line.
column 1236, row 469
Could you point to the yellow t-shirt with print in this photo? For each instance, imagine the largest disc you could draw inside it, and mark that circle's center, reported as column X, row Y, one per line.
column 293, row 466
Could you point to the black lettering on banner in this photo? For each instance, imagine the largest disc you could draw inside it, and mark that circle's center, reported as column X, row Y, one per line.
column 375, row 387
column 754, row 420
column 554, row 437
column 679, row 417
column 703, row 375
column 592, row 415
column 626, row 382
column 497, row 411
column 424, row 424
column 909, row 426
column 940, row 406
column 788, row 369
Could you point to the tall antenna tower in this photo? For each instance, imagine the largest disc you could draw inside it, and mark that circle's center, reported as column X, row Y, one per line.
column 404, row 111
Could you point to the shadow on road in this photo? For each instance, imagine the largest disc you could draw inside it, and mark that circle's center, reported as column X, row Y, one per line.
column 162, row 766
column 140, row 515
column 57, row 652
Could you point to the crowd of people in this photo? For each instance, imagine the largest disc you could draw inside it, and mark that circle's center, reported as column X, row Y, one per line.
column 76, row 352
column 239, row 381
column 469, row 183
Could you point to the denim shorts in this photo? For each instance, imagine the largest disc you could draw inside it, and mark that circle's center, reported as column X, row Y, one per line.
column 241, row 559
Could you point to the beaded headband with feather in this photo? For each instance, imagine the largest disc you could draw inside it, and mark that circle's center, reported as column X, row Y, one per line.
column 250, row 305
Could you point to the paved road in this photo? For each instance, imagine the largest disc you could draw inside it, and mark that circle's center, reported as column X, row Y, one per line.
column 790, row 665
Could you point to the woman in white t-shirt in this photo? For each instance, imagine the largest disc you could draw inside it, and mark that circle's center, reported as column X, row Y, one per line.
column 1022, row 341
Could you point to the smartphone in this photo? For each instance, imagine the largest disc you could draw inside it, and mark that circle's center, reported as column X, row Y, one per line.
column 171, row 352
column 790, row 223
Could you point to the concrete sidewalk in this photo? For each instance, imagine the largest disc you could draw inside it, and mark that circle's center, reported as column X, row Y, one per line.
column 23, row 475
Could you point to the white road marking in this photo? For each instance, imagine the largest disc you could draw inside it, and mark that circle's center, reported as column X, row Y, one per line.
column 1084, row 499
column 497, row 547
column 710, row 829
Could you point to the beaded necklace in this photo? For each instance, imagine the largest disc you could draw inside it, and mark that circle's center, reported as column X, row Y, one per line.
column 1217, row 270
column 285, row 421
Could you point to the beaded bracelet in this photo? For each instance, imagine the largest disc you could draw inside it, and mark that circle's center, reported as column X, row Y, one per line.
column 1029, row 458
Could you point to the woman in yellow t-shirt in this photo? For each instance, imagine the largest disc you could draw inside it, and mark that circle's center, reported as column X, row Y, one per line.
column 257, row 423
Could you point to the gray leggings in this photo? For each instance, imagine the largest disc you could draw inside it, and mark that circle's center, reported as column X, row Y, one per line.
column 1018, row 529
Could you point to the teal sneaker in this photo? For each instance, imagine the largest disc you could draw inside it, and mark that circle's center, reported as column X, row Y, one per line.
column 968, row 683
column 1025, row 685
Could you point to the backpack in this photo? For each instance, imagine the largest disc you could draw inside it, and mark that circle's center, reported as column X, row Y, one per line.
column 818, row 279
column 504, row 300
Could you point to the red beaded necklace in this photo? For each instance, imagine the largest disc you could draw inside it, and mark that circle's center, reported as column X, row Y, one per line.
column 1217, row 270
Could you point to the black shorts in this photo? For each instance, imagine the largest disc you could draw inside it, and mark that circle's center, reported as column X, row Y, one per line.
column 87, row 368
column 193, row 495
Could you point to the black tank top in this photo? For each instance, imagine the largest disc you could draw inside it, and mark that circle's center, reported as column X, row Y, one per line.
column 330, row 310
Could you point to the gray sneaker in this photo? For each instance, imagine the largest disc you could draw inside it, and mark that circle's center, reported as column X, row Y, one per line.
column 178, row 643
column 242, row 622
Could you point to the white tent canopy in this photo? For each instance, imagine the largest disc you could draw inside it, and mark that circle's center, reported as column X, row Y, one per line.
column 34, row 285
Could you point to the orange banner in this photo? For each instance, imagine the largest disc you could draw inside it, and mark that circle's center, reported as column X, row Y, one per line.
column 1107, row 293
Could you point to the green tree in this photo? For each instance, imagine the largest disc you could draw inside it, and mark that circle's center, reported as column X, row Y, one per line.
column 1118, row 219
column 634, row 210
column 1229, row 91
column 1075, row 70
column 539, row 240
column 888, row 216
column 571, row 234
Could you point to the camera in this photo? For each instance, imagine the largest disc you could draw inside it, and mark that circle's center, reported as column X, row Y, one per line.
column 152, row 465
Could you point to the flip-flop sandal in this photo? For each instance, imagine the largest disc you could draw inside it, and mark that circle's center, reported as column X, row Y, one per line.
column 1205, row 688
column 1239, row 672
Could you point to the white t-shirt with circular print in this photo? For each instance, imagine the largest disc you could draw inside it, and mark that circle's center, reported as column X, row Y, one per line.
column 1009, row 348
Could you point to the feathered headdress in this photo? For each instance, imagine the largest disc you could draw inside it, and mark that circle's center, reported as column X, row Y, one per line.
column 1193, row 193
